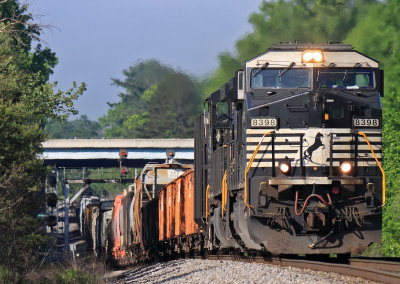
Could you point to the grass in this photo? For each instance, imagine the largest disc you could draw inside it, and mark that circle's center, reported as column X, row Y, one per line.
column 87, row 270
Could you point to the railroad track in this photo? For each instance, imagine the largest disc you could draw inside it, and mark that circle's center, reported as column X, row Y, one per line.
column 377, row 270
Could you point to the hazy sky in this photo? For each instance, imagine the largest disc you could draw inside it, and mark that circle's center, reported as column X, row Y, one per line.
column 96, row 39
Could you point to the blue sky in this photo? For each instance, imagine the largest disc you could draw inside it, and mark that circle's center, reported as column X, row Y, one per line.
column 96, row 40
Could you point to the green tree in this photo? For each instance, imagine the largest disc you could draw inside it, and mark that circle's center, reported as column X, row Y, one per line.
column 81, row 127
column 377, row 34
column 171, row 111
column 27, row 100
column 158, row 102
column 391, row 155
column 312, row 21
column 137, row 80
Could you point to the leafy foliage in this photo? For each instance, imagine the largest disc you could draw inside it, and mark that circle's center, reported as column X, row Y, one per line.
column 391, row 154
column 27, row 100
column 377, row 34
column 73, row 276
column 137, row 80
column 159, row 102
column 313, row 21
column 81, row 127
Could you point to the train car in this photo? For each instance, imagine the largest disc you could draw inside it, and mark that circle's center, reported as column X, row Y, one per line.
column 127, row 216
column 149, row 228
column 288, row 153
column 105, row 216
column 177, row 229
column 85, row 201
column 95, row 214
column 92, row 223
column 118, row 253
column 135, row 214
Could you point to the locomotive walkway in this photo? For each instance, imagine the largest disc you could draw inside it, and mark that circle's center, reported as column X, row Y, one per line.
column 78, row 153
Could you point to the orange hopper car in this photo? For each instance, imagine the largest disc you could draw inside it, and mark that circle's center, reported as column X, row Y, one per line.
column 117, row 252
column 176, row 208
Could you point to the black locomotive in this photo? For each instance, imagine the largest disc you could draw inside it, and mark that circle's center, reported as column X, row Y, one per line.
column 288, row 154
column 287, row 161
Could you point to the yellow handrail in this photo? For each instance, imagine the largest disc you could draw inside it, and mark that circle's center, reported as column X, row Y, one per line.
column 224, row 194
column 380, row 167
column 207, row 193
column 248, row 169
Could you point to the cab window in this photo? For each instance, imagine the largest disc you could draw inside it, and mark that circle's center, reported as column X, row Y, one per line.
column 346, row 78
column 222, row 112
column 277, row 78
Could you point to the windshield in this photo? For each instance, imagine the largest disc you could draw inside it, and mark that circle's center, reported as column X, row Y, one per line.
column 273, row 78
column 346, row 78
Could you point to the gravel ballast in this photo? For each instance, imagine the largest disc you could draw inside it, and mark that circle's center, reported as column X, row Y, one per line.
column 225, row 271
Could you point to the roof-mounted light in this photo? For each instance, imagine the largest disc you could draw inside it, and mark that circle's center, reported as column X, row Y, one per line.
column 313, row 56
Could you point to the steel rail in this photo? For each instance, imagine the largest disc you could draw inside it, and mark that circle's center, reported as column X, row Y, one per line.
column 347, row 269
column 391, row 266
column 374, row 270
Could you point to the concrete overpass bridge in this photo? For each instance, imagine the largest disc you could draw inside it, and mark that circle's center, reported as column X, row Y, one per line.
column 96, row 153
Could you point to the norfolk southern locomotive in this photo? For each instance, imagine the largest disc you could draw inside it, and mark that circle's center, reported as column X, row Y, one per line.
column 287, row 161
column 288, row 153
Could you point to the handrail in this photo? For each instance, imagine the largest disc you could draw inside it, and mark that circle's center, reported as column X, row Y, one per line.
column 248, row 169
column 224, row 194
column 380, row 167
column 207, row 193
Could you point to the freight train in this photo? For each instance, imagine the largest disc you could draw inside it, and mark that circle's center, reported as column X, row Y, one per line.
column 288, row 160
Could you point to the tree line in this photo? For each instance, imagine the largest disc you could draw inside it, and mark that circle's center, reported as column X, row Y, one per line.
column 157, row 102
column 27, row 101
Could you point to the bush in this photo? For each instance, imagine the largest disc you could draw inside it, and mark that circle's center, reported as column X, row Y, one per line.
column 7, row 276
column 86, row 270
column 73, row 275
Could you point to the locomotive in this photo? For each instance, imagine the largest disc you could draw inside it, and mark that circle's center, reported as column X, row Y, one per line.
column 288, row 159
column 289, row 152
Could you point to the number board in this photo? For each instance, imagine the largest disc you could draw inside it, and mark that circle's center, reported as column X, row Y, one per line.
column 264, row 122
column 366, row 122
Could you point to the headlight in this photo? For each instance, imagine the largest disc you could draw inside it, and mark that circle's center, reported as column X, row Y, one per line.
column 308, row 56
column 284, row 167
column 315, row 56
column 346, row 167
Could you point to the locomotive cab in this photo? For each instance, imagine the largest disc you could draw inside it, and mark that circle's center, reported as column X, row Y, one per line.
column 289, row 153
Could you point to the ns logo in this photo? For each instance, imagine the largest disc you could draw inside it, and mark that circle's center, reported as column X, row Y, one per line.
column 308, row 153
